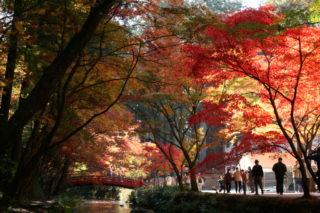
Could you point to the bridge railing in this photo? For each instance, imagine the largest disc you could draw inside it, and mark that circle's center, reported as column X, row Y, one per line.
column 111, row 180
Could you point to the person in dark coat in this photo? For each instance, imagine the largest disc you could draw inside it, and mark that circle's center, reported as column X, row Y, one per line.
column 228, row 180
column 257, row 174
column 221, row 184
column 279, row 170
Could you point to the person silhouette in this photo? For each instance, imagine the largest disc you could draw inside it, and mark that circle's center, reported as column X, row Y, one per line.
column 257, row 174
column 228, row 180
column 280, row 170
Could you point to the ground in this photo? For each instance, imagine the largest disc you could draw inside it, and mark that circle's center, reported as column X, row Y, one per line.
column 271, row 194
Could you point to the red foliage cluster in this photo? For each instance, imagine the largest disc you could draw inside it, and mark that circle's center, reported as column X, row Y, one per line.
column 282, row 62
column 212, row 114
column 249, row 143
column 262, row 16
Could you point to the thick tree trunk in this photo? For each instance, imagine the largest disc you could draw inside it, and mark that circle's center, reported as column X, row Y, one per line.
column 314, row 176
column 193, row 182
column 180, row 183
column 28, row 169
column 191, row 164
column 52, row 75
column 11, row 63
column 12, row 58
column 179, row 178
column 22, row 182
column 61, row 183
column 10, row 131
column 305, row 182
column 17, row 146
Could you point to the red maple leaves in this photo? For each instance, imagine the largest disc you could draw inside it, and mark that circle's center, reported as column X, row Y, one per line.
column 283, row 62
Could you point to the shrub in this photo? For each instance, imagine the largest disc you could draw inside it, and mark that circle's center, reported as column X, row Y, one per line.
column 166, row 200
column 154, row 197
column 96, row 192
column 206, row 202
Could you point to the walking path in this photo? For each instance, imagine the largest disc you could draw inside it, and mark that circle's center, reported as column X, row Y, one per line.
column 270, row 194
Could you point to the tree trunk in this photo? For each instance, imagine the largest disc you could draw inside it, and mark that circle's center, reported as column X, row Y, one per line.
column 24, row 177
column 305, row 182
column 61, row 183
column 28, row 169
column 193, row 182
column 315, row 178
column 174, row 166
column 179, row 177
column 52, row 75
column 11, row 63
column 13, row 150
column 180, row 183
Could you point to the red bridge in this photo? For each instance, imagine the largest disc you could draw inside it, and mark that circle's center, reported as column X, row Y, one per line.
column 106, row 180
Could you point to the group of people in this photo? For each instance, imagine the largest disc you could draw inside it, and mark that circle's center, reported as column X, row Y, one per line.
column 253, row 178
column 116, row 173
column 240, row 179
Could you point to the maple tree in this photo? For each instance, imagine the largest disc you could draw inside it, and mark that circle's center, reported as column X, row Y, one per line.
column 121, row 150
column 281, row 62
column 162, row 42
column 55, row 113
column 166, row 35
column 247, row 126
column 171, row 104
column 51, row 105
column 169, row 115
column 109, row 141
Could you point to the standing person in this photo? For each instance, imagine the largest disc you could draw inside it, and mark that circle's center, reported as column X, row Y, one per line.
column 286, row 182
column 200, row 182
column 296, row 174
column 316, row 157
column 244, row 177
column 227, row 180
column 121, row 174
column 111, row 171
column 250, row 181
column 237, row 180
column 257, row 175
column 221, row 184
column 280, row 170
